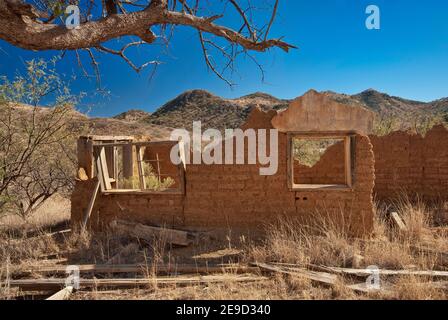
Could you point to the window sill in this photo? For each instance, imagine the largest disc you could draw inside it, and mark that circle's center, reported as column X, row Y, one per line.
column 321, row 187
column 143, row 192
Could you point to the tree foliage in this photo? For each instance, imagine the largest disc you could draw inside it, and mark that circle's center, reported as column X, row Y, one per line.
column 36, row 143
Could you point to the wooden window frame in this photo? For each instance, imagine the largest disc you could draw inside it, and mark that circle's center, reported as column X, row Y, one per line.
column 349, row 156
column 103, row 169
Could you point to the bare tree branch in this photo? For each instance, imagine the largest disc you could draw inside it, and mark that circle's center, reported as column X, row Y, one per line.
column 28, row 27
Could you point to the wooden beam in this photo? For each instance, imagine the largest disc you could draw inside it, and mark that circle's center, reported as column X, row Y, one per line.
column 145, row 192
column 385, row 272
column 104, row 169
column 148, row 233
column 319, row 277
column 63, row 294
column 322, row 277
column 91, row 205
column 399, row 223
column 348, row 161
column 141, row 170
column 139, row 268
column 124, row 283
column 102, row 172
column 109, row 138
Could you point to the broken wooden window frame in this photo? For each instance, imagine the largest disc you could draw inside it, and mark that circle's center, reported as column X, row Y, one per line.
column 349, row 160
column 103, row 166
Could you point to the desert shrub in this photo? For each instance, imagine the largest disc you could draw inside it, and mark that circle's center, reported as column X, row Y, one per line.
column 419, row 122
column 309, row 151
column 320, row 241
column 152, row 180
column 37, row 144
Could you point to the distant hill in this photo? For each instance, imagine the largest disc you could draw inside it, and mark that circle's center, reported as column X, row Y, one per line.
column 110, row 126
column 132, row 115
column 385, row 104
column 211, row 110
column 217, row 112
column 100, row 126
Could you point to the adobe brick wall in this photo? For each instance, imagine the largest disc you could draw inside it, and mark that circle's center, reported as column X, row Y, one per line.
column 330, row 169
column 412, row 164
column 405, row 163
column 237, row 197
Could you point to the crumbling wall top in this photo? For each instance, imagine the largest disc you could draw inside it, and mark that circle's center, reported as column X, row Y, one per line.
column 316, row 112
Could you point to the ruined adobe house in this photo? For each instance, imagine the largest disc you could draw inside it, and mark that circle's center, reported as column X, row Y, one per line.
column 339, row 185
column 236, row 196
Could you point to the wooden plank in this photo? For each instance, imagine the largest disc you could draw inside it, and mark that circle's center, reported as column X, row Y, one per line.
column 140, row 143
column 148, row 233
column 104, row 169
column 385, row 289
column 321, row 187
column 385, row 272
column 348, row 161
column 109, row 138
column 319, row 277
column 99, row 174
column 399, row 223
column 290, row 160
column 322, row 277
column 158, row 168
column 141, row 171
column 91, row 205
column 63, row 294
column 124, row 283
column 139, row 268
column 143, row 192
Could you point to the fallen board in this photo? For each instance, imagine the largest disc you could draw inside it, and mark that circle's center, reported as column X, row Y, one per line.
column 127, row 283
column 398, row 221
column 384, row 272
column 136, row 268
column 63, row 294
column 320, row 277
column 175, row 237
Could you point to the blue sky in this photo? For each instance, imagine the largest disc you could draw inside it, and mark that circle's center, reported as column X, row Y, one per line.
column 407, row 57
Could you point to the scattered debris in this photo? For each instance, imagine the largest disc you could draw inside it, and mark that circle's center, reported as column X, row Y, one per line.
column 399, row 223
column 63, row 294
column 140, row 268
column 123, row 283
column 175, row 237
column 319, row 277
column 385, row 272
column 219, row 254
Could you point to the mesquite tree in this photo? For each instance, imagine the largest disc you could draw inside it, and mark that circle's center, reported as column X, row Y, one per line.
column 39, row 25
column 36, row 143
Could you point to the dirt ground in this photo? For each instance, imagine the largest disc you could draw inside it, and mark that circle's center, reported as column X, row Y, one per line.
column 423, row 246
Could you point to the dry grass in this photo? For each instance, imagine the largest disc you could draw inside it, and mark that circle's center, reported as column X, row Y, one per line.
column 287, row 241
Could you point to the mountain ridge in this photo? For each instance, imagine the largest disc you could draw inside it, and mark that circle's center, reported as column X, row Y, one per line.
column 217, row 112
